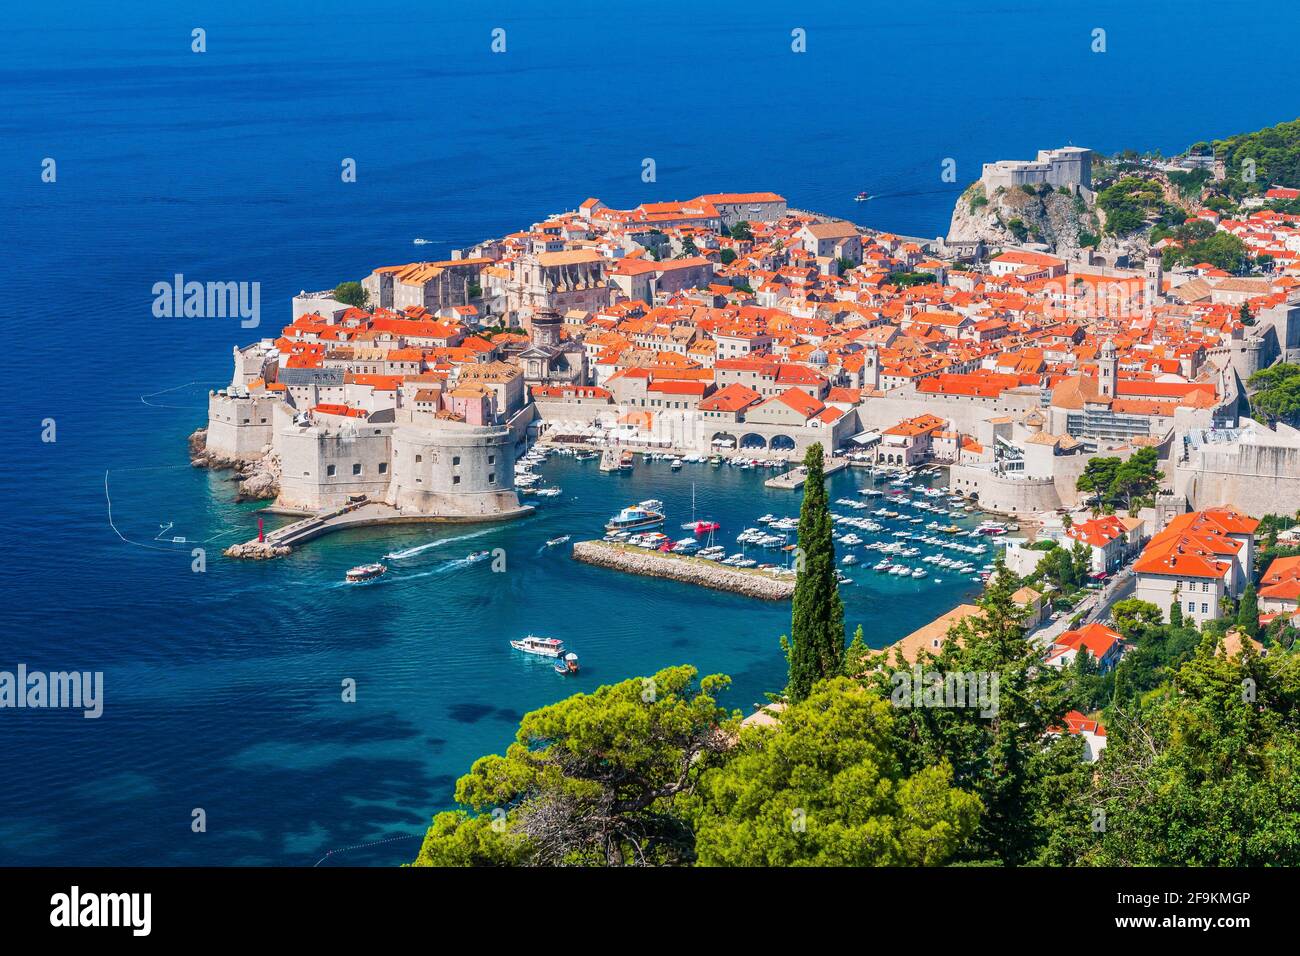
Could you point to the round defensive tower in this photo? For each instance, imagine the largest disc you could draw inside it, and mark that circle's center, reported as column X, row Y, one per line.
column 454, row 470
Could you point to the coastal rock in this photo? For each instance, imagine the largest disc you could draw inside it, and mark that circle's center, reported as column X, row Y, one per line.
column 256, row 551
column 1013, row 217
column 259, row 479
column 707, row 574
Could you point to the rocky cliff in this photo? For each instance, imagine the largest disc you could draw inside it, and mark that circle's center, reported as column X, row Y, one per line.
column 258, row 479
column 1012, row 217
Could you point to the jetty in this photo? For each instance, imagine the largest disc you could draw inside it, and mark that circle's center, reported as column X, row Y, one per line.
column 355, row 514
column 795, row 477
column 750, row 582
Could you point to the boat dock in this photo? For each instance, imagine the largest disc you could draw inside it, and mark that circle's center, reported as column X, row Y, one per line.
column 795, row 477
column 750, row 582
column 355, row 514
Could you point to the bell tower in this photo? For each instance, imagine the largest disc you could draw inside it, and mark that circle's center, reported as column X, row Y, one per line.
column 1107, row 369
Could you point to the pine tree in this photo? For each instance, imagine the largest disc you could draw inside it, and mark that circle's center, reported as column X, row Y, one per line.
column 816, row 647
column 1176, row 614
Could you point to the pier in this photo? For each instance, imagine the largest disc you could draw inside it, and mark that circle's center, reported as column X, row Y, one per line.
column 750, row 582
column 355, row 514
column 795, row 477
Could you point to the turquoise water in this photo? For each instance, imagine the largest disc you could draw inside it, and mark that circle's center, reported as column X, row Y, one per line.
column 223, row 688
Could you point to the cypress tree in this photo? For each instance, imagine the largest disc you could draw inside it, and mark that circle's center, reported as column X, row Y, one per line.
column 1248, row 612
column 816, row 647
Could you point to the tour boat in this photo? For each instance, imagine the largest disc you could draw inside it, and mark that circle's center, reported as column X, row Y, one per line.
column 366, row 572
column 543, row 646
column 556, row 541
column 567, row 665
column 647, row 514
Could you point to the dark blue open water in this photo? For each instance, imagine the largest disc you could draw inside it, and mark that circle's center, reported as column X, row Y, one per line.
column 223, row 687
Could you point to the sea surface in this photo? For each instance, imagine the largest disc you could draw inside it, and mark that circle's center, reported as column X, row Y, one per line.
column 223, row 687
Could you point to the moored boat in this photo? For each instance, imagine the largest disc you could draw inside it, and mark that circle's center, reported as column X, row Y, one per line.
column 646, row 514
column 542, row 646
column 567, row 665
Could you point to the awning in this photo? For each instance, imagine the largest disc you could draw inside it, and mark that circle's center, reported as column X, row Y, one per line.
column 866, row 438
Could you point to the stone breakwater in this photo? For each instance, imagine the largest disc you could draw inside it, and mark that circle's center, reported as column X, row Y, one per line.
column 708, row 574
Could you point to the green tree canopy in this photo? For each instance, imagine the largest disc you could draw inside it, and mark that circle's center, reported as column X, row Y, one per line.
column 592, row 779
column 827, row 788
column 352, row 293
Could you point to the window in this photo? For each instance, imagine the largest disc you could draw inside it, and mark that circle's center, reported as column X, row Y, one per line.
column 455, row 479
column 492, row 478
column 329, row 471
column 383, row 467
column 492, row 459
column 455, row 459
column 419, row 458
column 1205, row 585
column 356, row 468
column 1191, row 607
column 1205, row 609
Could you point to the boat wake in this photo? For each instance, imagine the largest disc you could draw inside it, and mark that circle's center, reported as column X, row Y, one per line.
column 421, row 548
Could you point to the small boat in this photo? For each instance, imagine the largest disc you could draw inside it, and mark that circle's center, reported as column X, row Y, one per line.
column 553, row 542
column 366, row 572
column 567, row 665
column 478, row 556
column 542, row 646
column 861, row 197
column 421, row 242
column 647, row 514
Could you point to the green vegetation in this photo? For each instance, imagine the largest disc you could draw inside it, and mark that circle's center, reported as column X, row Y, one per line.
column 905, row 279
column 1202, row 765
column 1018, row 229
column 829, row 787
column 689, row 248
column 1273, row 155
column 351, row 293
column 1275, row 393
column 591, row 780
column 1128, row 204
column 815, row 648
column 727, row 256
column 1199, row 241
column 741, row 230
column 1117, row 483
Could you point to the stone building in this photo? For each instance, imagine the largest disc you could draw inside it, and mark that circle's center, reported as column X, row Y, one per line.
column 1068, row 166
column 431, row 285
column 558, row 281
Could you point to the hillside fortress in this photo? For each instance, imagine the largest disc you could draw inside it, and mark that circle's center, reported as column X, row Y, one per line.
column 1069, row 166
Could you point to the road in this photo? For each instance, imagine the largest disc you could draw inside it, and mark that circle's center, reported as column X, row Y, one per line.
column 1094, row 608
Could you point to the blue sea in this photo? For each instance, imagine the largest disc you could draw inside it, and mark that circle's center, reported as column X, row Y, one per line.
column 223, row 688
